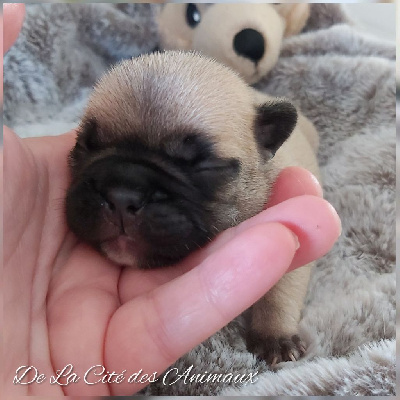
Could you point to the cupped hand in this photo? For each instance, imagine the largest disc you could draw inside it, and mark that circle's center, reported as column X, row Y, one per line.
column 66, row 304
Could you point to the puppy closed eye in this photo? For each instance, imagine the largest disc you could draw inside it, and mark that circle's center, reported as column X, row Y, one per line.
column 217, row 164
column 195, row 154
column 189, row 151
column 214, row 172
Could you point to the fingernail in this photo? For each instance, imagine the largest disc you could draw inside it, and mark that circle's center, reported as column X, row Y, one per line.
column 317, row 184
column 334, row 212
column 296, row 240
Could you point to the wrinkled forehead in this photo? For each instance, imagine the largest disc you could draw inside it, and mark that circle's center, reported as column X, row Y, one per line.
column 156, row 100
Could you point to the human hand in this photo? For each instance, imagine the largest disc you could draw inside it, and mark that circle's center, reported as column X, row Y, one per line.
column 65, row 303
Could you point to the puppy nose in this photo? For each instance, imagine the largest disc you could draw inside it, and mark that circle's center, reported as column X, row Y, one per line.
column 124, row 201
column 249, row 43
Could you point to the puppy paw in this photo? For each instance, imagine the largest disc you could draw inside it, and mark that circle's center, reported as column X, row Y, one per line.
column 275, row 350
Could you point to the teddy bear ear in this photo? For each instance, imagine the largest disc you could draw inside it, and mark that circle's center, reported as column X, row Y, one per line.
column 274, row 123
column 296, row 16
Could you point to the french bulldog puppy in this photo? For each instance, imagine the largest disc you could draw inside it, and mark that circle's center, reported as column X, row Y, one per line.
column 174, row 148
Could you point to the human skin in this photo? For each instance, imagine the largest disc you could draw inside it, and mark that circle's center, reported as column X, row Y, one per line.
column 66, row 304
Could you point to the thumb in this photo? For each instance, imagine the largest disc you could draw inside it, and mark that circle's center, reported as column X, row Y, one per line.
column 152, row 331
column 13, row 19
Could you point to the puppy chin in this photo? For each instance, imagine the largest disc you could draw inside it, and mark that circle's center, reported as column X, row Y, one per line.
column 122, row 251
column 127, row 252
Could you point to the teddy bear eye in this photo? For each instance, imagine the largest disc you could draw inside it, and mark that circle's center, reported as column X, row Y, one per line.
column 193, row 16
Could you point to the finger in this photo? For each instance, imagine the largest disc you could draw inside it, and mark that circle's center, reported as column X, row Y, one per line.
column 31, row 164
column 291, row 182
column 154, row 330
column 52, row 151
column 13, row 15
column 27, row 189
column 312, row 219
column 82, row 297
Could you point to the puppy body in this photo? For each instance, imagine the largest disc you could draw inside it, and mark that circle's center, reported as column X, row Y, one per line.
column 175, row 148
column 273, row 333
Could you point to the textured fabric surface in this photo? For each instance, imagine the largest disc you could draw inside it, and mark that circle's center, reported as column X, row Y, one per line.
column 345, row 83
column 60, row 53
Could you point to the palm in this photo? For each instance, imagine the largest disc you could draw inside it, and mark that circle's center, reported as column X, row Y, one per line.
column 41, row 257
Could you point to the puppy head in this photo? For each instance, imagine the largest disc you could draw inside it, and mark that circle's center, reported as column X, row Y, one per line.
column 246, row 37
column 172, row 149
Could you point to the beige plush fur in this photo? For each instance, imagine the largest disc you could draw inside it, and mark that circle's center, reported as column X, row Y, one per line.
column 295, row 15
column 219, row 23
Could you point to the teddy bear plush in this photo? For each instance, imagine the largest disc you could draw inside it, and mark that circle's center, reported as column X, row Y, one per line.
column 244, row 36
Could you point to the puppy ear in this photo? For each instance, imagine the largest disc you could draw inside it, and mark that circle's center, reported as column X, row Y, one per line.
column 274, row 123
column 295, row 15
column 84, row 143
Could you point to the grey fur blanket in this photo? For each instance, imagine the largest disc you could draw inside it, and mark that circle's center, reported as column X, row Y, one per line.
column 345, row 83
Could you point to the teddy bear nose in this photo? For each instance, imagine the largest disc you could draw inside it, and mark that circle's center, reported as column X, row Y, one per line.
column 249, row 43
